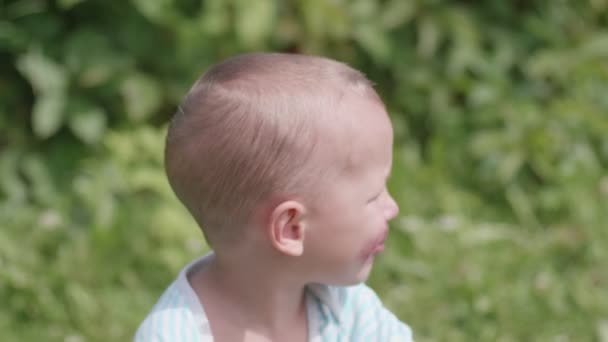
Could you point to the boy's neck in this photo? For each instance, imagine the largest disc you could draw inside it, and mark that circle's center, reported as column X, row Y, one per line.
column 259, row 297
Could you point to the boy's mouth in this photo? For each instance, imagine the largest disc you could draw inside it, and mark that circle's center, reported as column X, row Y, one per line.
column 377, row 246
column 380, row 242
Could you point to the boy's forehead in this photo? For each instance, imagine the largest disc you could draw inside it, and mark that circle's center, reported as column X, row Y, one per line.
column 365, row 120
column 359, row 131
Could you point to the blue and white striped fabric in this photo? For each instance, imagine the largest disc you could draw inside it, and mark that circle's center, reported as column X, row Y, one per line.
column 334, row 314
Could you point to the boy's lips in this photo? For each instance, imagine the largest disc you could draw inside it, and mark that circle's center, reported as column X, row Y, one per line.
column 378, row 244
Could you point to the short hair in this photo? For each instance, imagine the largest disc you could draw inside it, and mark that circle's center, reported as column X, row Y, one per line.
column 248, row 129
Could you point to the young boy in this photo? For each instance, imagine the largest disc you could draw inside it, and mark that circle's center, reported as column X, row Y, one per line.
column 282, row 160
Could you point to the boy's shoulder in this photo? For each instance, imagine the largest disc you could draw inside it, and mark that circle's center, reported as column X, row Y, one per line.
column 177, row 315
column 173, row 318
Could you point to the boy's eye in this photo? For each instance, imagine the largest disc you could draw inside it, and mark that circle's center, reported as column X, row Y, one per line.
column 375, row 197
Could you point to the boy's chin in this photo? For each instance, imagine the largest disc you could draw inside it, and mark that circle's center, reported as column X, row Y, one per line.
column 355, row 278
column 366, row 269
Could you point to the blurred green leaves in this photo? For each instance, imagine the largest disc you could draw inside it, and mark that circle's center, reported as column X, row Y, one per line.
column 87, row 122
column 254, row 21
column 44, row 75
column 500, row 163
column 49, row 81
column 142, row 96
column 92, row 58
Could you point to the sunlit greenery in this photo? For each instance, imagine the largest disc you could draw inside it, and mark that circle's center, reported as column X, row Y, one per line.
column 501, row 160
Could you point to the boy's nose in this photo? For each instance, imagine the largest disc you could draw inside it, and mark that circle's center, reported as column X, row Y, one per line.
column 392, row 208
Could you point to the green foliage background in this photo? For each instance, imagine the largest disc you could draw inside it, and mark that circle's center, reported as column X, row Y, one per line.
column 501, row 117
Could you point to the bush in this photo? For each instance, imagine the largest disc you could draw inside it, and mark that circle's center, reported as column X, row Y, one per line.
column 500, row 160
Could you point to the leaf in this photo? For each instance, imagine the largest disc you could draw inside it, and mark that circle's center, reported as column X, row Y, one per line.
column 142, row 95
column 12, row 37
column 428, row 37
column 91, row 56
column 596, row 46
column 88, row 123
column 602, row 330
column 466, row 41
column 254, row 21
column 67, row 4
column 158, row 11
column 549, row 63
column 363, row 9
column 43, row 73
column 215, row 18
column 39, row 177
column 49, row 81
column 374, row 41
column 48, row 114
column 313, row 17
column 397, row 12
column 13, row 187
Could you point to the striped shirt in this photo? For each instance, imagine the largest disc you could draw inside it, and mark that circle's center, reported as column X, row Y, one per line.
column 334, row 314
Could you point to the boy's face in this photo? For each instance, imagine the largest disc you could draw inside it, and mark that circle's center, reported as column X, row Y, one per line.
column 348, row 223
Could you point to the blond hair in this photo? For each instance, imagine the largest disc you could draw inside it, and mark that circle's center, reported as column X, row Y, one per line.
column 248, row 130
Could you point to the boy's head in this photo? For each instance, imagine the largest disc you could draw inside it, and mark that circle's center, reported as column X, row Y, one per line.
column 285, row 143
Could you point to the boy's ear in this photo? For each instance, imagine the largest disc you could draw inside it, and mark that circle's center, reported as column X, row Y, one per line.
column 287, row 228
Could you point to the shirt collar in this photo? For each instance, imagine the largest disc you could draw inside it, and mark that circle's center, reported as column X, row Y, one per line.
column 328, row 296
